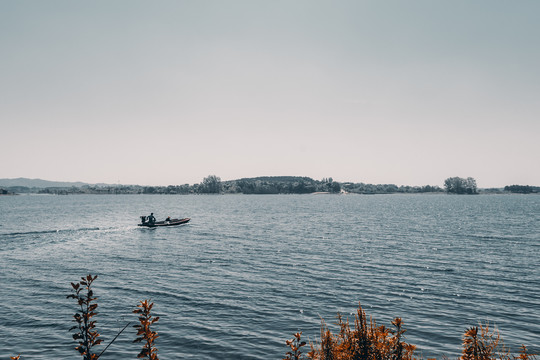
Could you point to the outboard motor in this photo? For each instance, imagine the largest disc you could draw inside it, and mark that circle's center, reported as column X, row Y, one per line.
column 143, row 219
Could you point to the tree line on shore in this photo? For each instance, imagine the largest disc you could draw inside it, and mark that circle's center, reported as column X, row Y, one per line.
column 213, row 184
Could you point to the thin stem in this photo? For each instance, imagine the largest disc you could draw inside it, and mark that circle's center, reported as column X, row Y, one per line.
column 121, row 331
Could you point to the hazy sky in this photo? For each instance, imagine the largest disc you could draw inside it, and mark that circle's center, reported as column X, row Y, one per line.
column 168, row 92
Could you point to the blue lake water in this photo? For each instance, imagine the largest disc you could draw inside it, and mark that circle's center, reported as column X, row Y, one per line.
column 249, row 271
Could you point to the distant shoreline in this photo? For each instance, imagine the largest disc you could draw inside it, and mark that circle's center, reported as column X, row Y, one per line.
column 264, row 185
column 480, row 193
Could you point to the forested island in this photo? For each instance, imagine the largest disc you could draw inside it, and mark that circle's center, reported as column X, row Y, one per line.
column 213, row 184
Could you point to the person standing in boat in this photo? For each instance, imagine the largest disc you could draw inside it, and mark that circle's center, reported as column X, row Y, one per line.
column 151, row 219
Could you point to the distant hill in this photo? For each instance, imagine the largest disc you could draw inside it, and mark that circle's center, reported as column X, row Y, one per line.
column 38, row 183
column 286, row 179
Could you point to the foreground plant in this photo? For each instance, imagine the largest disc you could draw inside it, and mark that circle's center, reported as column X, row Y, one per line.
column 483, row 343
column 86, row 334
column 144, row 333
column 295, row 344
column 366, row 341
column 524, row 354
column 479, row 343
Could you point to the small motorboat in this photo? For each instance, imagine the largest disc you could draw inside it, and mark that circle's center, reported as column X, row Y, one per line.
column 167, row 222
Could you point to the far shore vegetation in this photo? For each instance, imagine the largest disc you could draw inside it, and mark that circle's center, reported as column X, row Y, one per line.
column 359, row 339
column 213, row 184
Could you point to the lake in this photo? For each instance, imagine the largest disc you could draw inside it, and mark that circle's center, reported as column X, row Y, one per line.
column 248, row 271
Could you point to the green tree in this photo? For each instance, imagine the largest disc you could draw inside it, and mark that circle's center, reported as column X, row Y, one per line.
column 457, row 185
column 470, row 186
column 211, row 185
column 523, row 189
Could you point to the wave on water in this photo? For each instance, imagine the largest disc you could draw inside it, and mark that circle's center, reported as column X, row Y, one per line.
column 38, row 232
column 13, row 240
column 277, row 264
column 25, row 239
column 495, row 237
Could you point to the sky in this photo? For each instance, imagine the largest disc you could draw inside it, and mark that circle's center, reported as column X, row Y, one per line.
column 169, row 92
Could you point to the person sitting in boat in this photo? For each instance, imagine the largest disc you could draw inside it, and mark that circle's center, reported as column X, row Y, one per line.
column 143, row 219
column 151, row 219
column 168, row 219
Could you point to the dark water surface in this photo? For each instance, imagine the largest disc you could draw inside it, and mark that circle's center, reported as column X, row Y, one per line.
column 248, row 271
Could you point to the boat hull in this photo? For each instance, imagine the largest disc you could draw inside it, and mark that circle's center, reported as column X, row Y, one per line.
column 173, row 222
